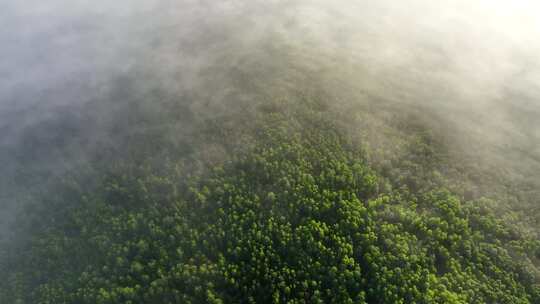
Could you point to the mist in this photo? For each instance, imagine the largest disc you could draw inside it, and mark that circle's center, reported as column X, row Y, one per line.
column 70, row 70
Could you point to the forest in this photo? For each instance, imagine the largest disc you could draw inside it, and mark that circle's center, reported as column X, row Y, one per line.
column 296, row 209
column 269, row 151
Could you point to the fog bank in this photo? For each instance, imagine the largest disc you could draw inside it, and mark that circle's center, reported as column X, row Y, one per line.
column 70, row 70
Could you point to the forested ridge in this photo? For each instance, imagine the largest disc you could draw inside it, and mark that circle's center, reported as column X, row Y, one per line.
column 296, row 210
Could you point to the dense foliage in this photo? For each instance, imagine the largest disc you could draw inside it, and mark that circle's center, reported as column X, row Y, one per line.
column 300, row 216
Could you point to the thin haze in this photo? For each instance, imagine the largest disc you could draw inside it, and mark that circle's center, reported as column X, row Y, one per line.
column 473, row 63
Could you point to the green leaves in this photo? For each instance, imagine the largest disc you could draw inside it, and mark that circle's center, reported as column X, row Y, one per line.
column 300, row 218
